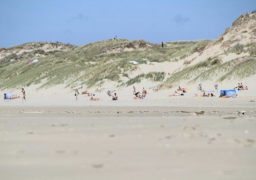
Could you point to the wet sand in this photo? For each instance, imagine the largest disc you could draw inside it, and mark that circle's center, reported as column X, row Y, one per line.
column 116, row 143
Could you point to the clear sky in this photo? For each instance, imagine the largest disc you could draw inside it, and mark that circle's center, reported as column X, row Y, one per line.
column 80, row 22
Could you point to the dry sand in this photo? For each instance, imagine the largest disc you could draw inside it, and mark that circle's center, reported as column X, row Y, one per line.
column 129, row 142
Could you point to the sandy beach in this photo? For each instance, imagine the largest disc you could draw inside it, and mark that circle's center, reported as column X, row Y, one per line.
column 128, row 90
column 128, row 142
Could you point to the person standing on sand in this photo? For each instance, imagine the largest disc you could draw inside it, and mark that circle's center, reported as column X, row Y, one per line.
column 23, row 94
column 162, row 44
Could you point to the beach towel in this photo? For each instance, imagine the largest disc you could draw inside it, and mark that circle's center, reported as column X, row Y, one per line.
column 230, row 93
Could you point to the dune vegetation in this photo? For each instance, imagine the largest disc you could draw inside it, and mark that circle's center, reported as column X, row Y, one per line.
column 94, row 63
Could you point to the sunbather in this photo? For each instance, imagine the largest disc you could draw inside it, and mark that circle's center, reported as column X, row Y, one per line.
column 177, row 94
column 202, row 95
column 86, row 92
column 144, row 92
column 14, row 97
column 223, row 95
column 137, row 94
column 93, row 98
column 181, row 89
column 245, row 88
column 114, row 98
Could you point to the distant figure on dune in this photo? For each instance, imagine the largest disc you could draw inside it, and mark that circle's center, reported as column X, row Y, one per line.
column 23, row 95
column 162, row 44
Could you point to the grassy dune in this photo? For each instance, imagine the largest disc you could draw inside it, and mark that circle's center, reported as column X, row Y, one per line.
column 93, row 63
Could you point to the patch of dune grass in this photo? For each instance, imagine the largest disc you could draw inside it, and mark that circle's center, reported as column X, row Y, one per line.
column 192, row 71
column 153, row 76
column 242, row 70
column 88, row 64
column 237, row 68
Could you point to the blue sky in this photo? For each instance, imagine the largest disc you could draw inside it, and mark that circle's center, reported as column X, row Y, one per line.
column 83, row 21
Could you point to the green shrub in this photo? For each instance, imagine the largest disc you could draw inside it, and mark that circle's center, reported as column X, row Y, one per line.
column 134, row 80
column 153, row 76
column 199, row 47
column 238, row 49
column 252, row 50
column 8, row 58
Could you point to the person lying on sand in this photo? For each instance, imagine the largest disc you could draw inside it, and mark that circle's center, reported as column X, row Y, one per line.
column 86, row 92
column 137, row 94
column 114, row 97
column 134, row 91
column 202, row 95
column 176, row 94
column 94, row 98
column 223, row 95
column 14, row 97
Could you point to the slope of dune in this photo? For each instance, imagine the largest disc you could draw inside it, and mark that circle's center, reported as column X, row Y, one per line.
column 228, row 59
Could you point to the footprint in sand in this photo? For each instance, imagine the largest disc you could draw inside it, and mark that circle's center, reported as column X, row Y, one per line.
column 168, row 137
column 244, row 143
column 98, row 166
column 60, row 151
column 190, row 131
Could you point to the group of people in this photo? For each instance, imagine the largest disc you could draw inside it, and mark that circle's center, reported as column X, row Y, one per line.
column 143, row 94
column 139, row 95
column 205, row 95
column 92, row 95
column 241, row 87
